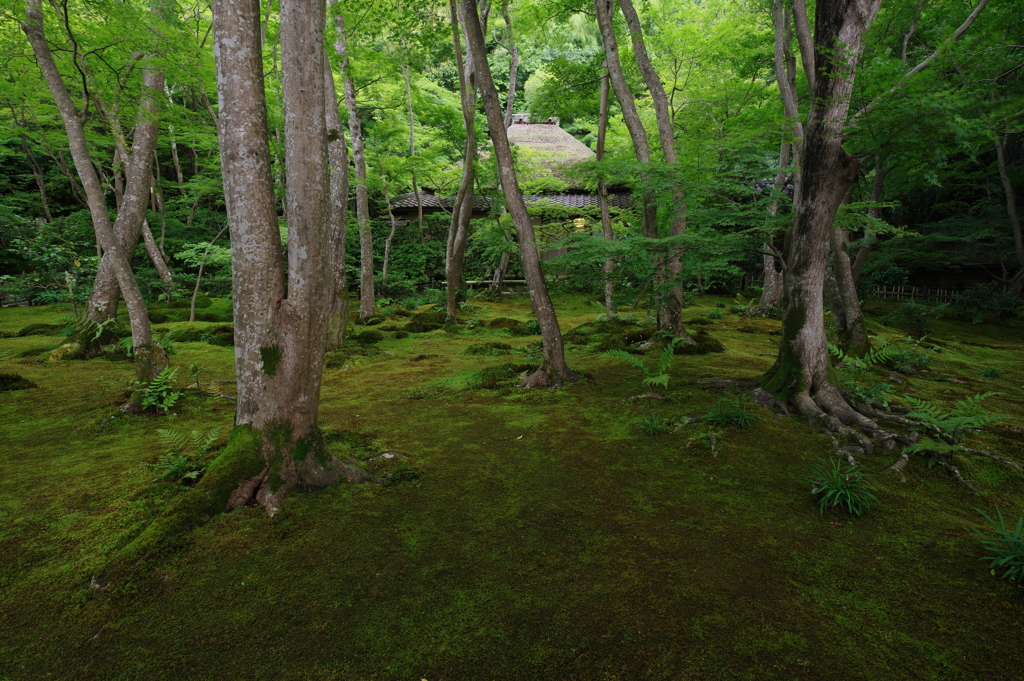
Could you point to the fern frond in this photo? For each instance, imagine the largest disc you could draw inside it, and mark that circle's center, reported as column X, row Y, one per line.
column 660, row 379
column 626, row 357
column 173, row 439
column 970, row 406
column 665, row 360
column 929, row 445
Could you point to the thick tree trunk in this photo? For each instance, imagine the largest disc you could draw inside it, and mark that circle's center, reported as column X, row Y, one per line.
column 801, row 372
column 462, row 210
column 279, row 339
column 149, row 359
column 337, row 153
column 554, row 372
column 367, row 299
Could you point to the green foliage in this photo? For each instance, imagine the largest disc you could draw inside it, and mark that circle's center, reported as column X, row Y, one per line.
column 715, row 314
column 967, row 414
column 185, row 458
column 658, row 376
column 990, row 372
column 918, row 318
column 849, row 490
column 15, row 382
column 976, row 303
column 160, row 393
column 651, row 425
column 730, row 412
column 1006, row 547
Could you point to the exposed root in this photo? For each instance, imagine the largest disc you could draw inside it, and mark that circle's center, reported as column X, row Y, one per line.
column 549, row 378
column 898, row 466
column 955, row 472
column 728, row 383
column 995, row 457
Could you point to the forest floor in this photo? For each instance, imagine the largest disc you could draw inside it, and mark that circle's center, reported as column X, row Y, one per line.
column 528, row 535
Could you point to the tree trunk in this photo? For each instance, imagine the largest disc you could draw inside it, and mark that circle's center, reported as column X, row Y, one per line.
column 391, row 215
column 412, row 150
column 771, row 294
column 199, row 277
column 637, row 133
column 462, row 210
column 149, row 359
column 367, row 299
column 602, row 197
column 877, row 190
column 337, row 153
column 513, row 67
column 1011, row 200
column 131, row 201
column 846, row 312
column 279, row 339
column 554, row 371
column 801, row 373
column 37, row 173
column 669, row 312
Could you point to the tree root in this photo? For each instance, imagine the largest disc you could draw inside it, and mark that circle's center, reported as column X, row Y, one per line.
column 995, row 457
column 955, row 472
column 549, row 378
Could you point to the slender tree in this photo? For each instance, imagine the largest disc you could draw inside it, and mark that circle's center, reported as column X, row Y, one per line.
column 337, row 153
column 554, row 371
column 150, row 359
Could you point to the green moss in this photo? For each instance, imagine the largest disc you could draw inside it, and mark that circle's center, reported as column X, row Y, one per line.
column 15, row 382
column 39, row 329
column 270, row 358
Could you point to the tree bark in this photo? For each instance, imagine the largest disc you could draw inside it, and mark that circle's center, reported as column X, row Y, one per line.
column 149, row 358
column 801, row 372
column 367, row 299
column 337, row 153
column 554, row 371
column 462, row 210
column 279, row 339
column 846, row 312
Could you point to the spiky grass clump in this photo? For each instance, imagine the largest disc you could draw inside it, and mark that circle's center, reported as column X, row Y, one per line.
column 849, row 490
column 651, row 425
column 1007, row 547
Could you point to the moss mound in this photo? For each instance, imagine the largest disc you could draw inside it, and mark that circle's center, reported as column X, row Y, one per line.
column 15, row 382
column 367, row 337
column 488, row 349
column 223, row 339
column 705, row 344
column 39, row 330
column 504, row 376
column 158, row 317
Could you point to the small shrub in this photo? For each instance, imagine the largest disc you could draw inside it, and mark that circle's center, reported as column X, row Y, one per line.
column 720, row 304
column 772, row 312
column 918, row 318
column 1007, row 547
column 401, row 334
column 730, row 412
column 990, row 372
column 651, row 425
column 849, row 490
column 714, row 314
column 986, row 299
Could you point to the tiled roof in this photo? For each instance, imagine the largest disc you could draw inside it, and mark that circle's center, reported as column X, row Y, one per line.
column 616, row 200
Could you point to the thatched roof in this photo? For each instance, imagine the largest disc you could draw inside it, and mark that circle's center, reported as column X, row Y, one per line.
column 560, row 148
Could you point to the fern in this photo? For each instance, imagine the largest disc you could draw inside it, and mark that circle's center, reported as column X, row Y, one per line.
column 659, row 377
column 967, row 414
column 185, row 456
column 160, row 392
column 633, row 360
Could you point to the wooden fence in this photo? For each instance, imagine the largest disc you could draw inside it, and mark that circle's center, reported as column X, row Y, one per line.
column 941, row 295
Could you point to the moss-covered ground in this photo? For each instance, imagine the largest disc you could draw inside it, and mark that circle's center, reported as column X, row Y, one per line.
column 528, row 535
